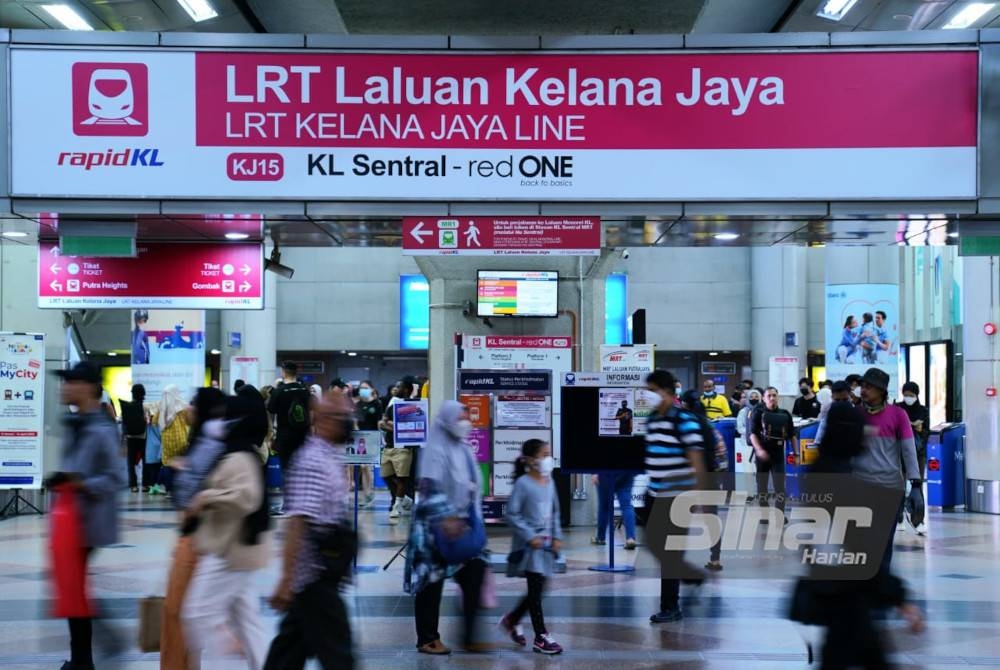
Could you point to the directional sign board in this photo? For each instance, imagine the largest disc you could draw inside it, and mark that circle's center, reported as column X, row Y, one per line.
column 161, row 276
column 502, row 236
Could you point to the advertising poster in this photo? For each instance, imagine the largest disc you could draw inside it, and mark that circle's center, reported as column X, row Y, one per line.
column 409, row 426
column 522, row 411
column 635, row 358
column 507, row 443
column 365, row 448
column 645, row 402
column 862, row 330
column 479, row 440
column 168, row 347
column 246, row 368
column 616, row 411
column 22, row 402
column 937, row 384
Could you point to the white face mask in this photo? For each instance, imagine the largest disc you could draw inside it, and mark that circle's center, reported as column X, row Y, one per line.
column 545, row 466
column 463, row 428
column 909, row 399
column 856, row 391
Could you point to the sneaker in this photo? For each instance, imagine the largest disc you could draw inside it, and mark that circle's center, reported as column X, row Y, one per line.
column 514, row 631
column 598, row 540
column 396, row 510
column 630, row 545
column 921, row 529
column 407, row 503
column 435, row 648
column 714, row 566
column 544, row 644
column 666, row 616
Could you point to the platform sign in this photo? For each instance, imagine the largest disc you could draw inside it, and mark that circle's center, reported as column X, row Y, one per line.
column 162, row 276
column 525, row 126
column 22, row 403
column 502, row 236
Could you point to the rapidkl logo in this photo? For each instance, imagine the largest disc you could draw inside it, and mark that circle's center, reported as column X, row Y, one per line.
column 110, row 99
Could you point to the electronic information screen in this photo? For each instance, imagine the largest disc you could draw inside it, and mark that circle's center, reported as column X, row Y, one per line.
column 509, row 293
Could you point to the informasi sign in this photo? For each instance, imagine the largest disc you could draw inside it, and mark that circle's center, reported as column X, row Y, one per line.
column 526, row 126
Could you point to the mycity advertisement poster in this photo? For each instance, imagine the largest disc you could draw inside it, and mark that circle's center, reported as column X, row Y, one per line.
column 160, row 123
column 168, row 347
column 22, row 402
column 862, row 330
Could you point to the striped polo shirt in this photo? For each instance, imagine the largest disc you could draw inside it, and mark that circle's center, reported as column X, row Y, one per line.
column 668, row 438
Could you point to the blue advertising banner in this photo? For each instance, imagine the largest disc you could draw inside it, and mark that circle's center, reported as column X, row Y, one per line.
column 409, row 422
column 862, row 330
column 414, row 312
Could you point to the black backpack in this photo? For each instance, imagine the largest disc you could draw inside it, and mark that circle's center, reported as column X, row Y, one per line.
column 297, row 417
column 133, row 418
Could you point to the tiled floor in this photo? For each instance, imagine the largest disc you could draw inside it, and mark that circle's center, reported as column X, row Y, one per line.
column 600, row 618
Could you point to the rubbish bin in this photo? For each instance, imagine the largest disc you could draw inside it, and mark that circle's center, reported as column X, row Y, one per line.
column 946, row 466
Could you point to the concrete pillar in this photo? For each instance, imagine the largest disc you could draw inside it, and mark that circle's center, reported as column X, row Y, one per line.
column 19, row 312
column 778, row 305
column 258, row 331
column 981, row 303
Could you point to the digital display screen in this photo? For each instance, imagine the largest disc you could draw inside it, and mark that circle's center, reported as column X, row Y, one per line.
column 509, row 293
column 937, row 387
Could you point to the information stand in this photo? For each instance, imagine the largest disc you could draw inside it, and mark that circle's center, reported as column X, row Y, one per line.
column 506, row 407
column 604, row 444
column 364, row 449
column 22, row 405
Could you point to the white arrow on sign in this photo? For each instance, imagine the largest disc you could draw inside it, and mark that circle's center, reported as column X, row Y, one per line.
column 245, row 269
column 54, row 268
column 55, row 286
column 245, row 287
column 419, row 233
column 54, row 251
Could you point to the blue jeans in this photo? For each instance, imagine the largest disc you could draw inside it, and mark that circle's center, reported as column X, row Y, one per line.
column 621, row 487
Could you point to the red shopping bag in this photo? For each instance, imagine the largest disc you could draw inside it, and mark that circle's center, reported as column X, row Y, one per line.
column 68, row 558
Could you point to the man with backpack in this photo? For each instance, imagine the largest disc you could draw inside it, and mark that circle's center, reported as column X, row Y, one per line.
column 289, row 403
column 135, row 420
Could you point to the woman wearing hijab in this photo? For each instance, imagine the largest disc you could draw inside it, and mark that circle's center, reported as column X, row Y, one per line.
column 171, row 417
column 230, row 537
column 207, row 443
column 448, row 506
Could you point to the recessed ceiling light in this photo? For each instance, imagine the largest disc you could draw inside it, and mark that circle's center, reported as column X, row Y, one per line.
column 67, row 16
column 954, row 233
column 215, row 352
column 236, row 236
column 112, row 353
column 835, row 10
column 713, row 353
column 727, row 237
column 14, row 233
column 352, row 353
column 968, row 15
column 198, row 10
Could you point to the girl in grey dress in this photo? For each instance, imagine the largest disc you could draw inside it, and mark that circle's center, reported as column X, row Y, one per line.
column 533, row 514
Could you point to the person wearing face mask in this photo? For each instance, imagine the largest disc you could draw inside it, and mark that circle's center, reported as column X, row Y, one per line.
column 854, row 383
column 716, row 406
column 369, row 410
column 806, row 406
column 533, row 514
column 919, row 420
column 743, row 422
column 449, row 507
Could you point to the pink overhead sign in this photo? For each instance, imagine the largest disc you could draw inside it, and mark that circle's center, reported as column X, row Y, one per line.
column 162, row 276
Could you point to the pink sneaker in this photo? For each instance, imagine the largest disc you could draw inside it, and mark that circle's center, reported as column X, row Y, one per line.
column 514, row 631
column 544, row 644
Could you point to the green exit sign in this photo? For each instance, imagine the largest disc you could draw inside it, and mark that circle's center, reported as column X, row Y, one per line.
column 97, row 246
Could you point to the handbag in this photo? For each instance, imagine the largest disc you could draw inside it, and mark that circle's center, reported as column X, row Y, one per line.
column 337, row 547
column 515, row 563
column 466, row 546
column 68, row 557
column 150, row 620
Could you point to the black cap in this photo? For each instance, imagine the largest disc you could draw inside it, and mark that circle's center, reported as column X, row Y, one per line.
column 840, row 386
column 338, row 383
column 853, row 379
column 81, row 372
column 877, row 378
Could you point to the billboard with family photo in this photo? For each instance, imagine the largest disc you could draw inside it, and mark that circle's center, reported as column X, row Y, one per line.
column 168, row 347
column 862, row 330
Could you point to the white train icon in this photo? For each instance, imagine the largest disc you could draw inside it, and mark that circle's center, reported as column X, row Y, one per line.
column 110, row 98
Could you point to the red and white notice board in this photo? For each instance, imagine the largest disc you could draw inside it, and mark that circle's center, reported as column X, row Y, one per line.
column 502, row 236
column 162, row 276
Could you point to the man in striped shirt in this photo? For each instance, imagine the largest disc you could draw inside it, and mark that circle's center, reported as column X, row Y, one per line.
column 674, row 464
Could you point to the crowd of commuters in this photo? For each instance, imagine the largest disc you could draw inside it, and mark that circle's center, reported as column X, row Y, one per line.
column 214, row 454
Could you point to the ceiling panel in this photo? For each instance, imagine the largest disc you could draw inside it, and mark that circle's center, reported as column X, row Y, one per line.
column 904, row 14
